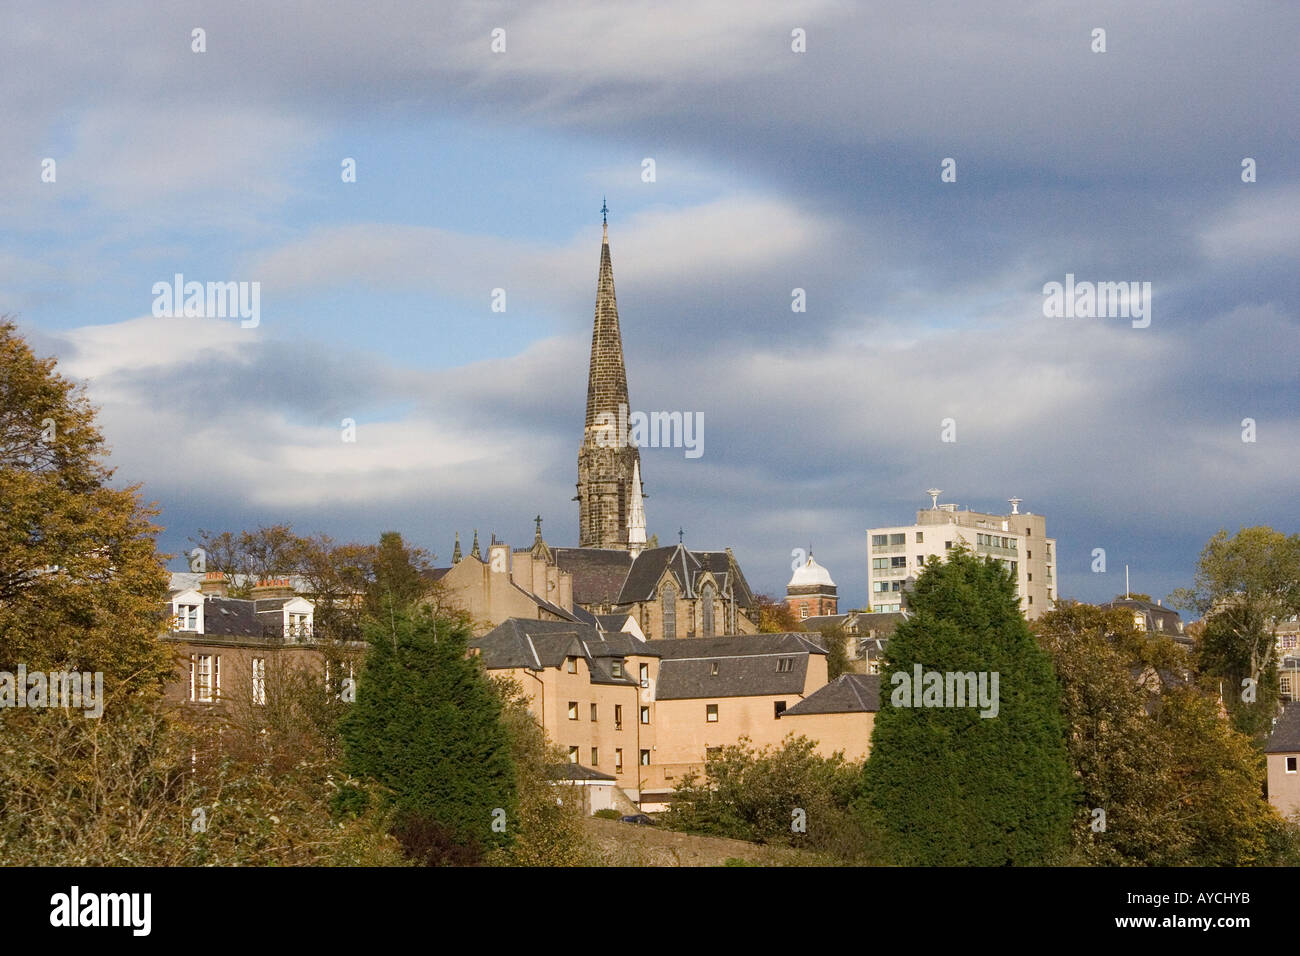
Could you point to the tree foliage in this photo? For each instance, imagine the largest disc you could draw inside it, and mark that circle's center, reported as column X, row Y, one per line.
column 948, row 786
column 81, row 585
column 427, row 726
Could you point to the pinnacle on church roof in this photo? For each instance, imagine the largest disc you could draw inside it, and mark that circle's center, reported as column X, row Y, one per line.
column 474, row 551
column 455, row 552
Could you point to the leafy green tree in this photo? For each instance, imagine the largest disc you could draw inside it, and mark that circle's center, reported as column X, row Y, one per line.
column 427, row 726
column 836, row 641
column 787, row 794
column 1245, row 584
column 81, row 584
column 396, row 576
column 948, row 786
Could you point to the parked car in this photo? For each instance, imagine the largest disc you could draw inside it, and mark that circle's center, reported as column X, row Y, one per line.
column 640, row 818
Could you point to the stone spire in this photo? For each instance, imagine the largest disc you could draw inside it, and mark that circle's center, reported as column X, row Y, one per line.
column 474, row 551
column 608, row 466
column 636, row 514
column 455, row 552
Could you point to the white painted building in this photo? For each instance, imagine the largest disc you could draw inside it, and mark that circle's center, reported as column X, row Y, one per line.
column 895, row 555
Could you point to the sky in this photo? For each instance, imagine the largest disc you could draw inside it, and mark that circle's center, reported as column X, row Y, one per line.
column 774, row 170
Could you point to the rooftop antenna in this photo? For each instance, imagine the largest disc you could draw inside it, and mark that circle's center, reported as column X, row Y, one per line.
column 1126, row 582
column 934, row 494
column 1015, row 505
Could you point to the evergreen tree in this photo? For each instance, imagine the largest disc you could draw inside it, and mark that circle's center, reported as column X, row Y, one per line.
column 946, row 785
column 427, row 725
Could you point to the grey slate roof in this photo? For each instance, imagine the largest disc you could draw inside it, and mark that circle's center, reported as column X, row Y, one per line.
column 523, row 642
column 233, row 617
column 847, row 694
column 1285, row 738
column 598, row 573
column 747, row 665
column 576, row 771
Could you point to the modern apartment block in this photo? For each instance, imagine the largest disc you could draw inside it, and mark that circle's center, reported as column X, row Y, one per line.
column 1018, row 540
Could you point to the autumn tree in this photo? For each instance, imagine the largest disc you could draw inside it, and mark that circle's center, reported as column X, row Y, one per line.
column 774, row 617
column 1245, row 584
column 81, row 584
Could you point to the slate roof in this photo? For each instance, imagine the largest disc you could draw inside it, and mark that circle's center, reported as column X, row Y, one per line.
column 747, row 665
column 522, row 642
column 576, row 771
column 598, row 573
column 686, row 568
column 1285, row 738
column 847, row 694
column 233, row 617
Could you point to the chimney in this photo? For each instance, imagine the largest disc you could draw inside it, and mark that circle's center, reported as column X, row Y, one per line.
column 268, row 588
column 214, row 583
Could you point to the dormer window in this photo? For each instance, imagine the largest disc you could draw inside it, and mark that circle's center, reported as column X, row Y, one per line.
column 299, row 624
column 187, row 617
column 617, row 668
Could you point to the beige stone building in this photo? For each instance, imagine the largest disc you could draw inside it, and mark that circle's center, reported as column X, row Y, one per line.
column 649, row 712
column 896, row 555
column 1283, row 755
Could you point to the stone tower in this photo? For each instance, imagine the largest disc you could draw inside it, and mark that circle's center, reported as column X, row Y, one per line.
column 610, row 510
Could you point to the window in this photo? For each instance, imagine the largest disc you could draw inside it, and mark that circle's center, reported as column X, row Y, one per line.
column 617, row 668
column 668, row 599
column 298, row 626
column 1029, row 555
column 1290, row 764
column 573, row 755
column 573, row 710
column 645, row 715
column 205, row 677
column 259, row 680
column 595, row 756
column 711, row 713
column 784, row 665
column 1031, row 577
column 187, row 617
column 900, row 538
column 706, row 612
column 1031, row 599
column 618, row 716
column 778, row 708
column 920, row 560
column 803, row 611
column 947, row 545
column 1028, row 532
column 899, row 562
column 618, row 759
column 713, row 669
column 593, row 713
column 880, row 563
column 571, row 665
column 879, row 540
column 920, row 537
column 644, row 671
column 645, row 758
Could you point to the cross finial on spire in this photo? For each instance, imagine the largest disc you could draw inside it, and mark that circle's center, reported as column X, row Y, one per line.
column 538, row 519
column 680, row 534
column 604, row 212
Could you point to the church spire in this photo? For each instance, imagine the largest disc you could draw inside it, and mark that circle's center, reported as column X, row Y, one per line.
column 609, row 484
column 636, row 514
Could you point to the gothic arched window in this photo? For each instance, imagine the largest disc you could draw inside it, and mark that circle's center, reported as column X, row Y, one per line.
column 706, row 613
column 669, row 597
